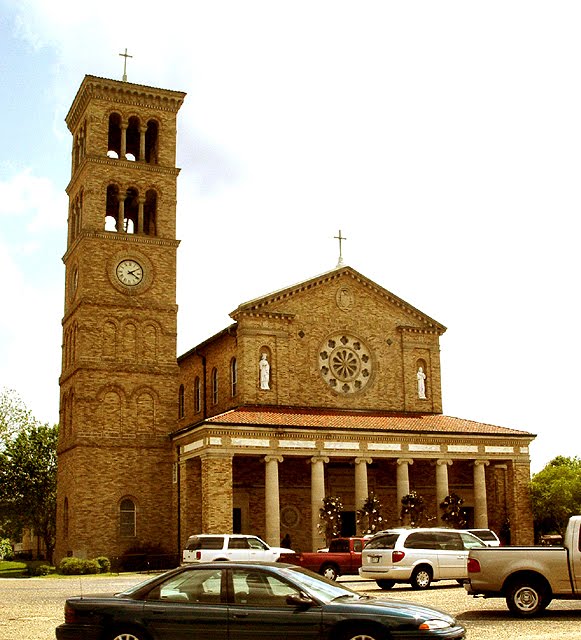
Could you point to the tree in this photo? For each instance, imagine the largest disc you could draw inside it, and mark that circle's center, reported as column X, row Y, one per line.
column 330, row 517
column 412, row 508
column 556, row 494
column 28, row 465
column 453, row 514
column 369, row 516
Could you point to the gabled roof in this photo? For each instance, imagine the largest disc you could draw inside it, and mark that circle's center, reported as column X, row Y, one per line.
column 258, row 305
column 386, row 422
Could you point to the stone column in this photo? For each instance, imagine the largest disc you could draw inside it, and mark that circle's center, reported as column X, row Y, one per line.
column 272, row 500
column 217, row 499
column 140, row 204
column 121, row 216
column 480, row 506
column 123, row 141
column 403, row 479
column 442, row 489
column 141, row 144
column 361, row 485
column 317, row 496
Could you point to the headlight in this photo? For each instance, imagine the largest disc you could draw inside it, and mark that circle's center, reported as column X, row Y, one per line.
column 435, row 624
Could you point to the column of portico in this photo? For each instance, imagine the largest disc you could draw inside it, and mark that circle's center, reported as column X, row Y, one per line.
column 403, row 479
column 442, row 489
column 317, row 497
column 272, row 500
column 361, row 484
column 217, row 500
column 480, row 505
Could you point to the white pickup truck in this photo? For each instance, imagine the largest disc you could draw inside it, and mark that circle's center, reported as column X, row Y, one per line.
column 528, row 577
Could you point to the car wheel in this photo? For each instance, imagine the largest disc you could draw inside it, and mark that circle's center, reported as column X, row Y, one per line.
column 421, row 578
column 385, row 584
column 527, row 598
column 329, row 571
column 127, row 634
column 363, row 633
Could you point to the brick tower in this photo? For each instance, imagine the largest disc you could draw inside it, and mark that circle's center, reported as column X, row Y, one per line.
column 118, row 398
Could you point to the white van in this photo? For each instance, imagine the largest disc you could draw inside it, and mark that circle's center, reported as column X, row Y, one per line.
column 207, row 547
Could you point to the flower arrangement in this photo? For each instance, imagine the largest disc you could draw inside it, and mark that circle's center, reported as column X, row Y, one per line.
column 369, row 517
column 330, row 517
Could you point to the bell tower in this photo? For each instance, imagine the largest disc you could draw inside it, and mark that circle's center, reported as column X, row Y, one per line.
column 119, row 378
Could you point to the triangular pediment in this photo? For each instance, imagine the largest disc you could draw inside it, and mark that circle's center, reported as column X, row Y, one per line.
column 272, row 304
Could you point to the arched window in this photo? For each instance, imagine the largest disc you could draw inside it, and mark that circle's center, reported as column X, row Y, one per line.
column 112, row 208
column 214, row 386
column 233, row 376
column 127, row 518
column 197, row 395
column 181, row 402
column 149, row 213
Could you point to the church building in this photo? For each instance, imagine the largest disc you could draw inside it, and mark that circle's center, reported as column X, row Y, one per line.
column 329, row 387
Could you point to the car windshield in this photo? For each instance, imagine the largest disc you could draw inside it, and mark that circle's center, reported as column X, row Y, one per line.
column 320, row 588
column 137, row 587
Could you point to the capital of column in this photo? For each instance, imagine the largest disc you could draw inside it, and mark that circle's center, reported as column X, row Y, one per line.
column 443, row 461
column 316, row 459
column 484, row 463
column 401, row 461
column 272, row 458
column 363, row 460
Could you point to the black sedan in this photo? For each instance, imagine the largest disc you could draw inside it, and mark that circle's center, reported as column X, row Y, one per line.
column 246, row 600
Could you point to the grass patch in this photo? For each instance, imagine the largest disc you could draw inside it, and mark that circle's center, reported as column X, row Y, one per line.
column 13, row 569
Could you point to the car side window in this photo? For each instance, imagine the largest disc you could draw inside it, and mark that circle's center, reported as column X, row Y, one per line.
column 238, row 543
column 471, row 542
column 421, row 540
column 193, row 586
column 253, row 587
column 255, row 543
column 449, row 541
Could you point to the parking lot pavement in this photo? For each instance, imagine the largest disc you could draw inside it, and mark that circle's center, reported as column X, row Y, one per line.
column 31, row 608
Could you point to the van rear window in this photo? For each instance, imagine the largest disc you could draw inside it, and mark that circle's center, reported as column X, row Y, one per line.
column 383, row 541
column 195, row 543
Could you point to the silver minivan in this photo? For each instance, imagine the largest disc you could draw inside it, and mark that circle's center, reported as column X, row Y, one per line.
column 417, row 556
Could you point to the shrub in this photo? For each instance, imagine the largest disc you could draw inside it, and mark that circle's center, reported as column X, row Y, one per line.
column 104, row 564
column 38, row 570
column 77, row 566
column 6, row 552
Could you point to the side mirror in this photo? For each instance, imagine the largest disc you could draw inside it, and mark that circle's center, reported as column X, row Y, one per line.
column 300, row 600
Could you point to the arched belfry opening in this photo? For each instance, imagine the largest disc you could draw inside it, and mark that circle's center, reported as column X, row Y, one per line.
column 114, row 136
column 112, row 208
column 151, row 142
column 150, row 213
column 133, row 136
column 131, row 211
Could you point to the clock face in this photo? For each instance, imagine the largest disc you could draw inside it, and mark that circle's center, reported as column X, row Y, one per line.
column 129, row 272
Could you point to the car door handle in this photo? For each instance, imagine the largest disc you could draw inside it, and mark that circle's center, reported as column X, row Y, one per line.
column 241, row 614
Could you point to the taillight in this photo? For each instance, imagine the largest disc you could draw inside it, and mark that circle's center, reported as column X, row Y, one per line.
column 70, row 614
column 396, row 556
column 473, row 565
column 198, row 555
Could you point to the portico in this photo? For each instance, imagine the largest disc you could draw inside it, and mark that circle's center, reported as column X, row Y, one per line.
column 274, row 477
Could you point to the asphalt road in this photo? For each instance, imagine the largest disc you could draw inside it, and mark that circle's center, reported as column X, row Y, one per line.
column 31, row 608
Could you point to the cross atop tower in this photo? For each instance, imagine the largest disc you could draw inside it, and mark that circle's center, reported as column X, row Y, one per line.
column 125, row 55
column 340, row 238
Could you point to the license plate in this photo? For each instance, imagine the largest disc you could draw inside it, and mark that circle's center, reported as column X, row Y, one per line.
column 375, row 559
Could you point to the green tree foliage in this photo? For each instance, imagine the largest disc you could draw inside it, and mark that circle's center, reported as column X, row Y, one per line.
column 453, row 514
column 556, row 494
column 369, row 516
column 330, row 517
column 412, row 509
column 27, row 473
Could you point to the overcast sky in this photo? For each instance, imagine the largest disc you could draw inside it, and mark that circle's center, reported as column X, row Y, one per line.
column 442, row 138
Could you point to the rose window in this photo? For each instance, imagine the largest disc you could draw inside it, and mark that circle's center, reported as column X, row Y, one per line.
column 345, row 363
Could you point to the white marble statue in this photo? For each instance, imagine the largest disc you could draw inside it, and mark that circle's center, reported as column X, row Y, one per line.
column 264, row 368
column 421, row 384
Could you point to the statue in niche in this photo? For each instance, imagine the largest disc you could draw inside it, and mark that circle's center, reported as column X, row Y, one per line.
column 264, row 369
column 421, row 376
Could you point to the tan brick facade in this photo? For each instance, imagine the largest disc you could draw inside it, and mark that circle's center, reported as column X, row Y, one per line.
column 154, row 448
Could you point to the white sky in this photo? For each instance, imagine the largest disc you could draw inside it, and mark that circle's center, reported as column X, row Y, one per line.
column 442, row 138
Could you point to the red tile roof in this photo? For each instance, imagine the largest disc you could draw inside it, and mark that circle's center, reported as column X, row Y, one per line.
column 304, row 418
